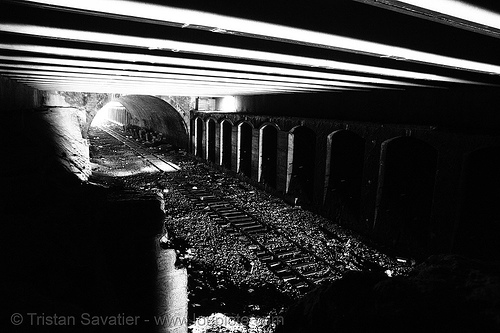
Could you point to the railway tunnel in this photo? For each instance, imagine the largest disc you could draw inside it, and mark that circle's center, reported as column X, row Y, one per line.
column 354, row 116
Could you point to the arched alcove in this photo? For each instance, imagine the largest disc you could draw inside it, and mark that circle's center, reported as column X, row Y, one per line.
column 211, row 128
column 479, row 225
column 344, row 173
column 268, row 154
column 303, row 146
column 226, row 128
column 245, row 148
column 405, row 194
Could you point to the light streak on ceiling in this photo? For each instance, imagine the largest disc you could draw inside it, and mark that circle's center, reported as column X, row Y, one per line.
column 64, row 55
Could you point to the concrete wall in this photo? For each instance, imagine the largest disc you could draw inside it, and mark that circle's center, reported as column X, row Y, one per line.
column 16, row 97
column 42, row 144
column 451, row 148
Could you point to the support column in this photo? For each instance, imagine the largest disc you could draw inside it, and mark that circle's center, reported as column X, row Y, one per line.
column 282, row 162
column 218, row 147
column 172, row 313
column 204, row 141
column 192, row 147
column 235, row 146
column 255, row 153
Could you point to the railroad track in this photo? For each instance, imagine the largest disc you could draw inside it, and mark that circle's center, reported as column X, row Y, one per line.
column 284, row 257
column 288, row 260
column 156, row 161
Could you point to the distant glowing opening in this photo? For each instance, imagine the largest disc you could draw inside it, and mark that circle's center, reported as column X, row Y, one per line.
column 111, row 112
column 228, row 104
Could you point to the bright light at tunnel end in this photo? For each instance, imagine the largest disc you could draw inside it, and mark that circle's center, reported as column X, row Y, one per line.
column 101, row 116
column 228, row 104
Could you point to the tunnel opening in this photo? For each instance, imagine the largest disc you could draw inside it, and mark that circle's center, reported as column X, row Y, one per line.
column 479, row 224
column 211, row 129
column 138, row 122
column 147, row 117
column 269, row 153
column 303, row 144
column 226, row 144
column 344, row 170
column 245, row 148
column 405, row 195
column 199, row 137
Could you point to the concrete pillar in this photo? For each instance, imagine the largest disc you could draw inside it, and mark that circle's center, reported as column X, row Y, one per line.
column 172, row 315
column 218, row 146
column 255, row 153
column 234, row 148
column 192, row 147
column 447, row 193
column 369, row 184
column 204, row 145
column 282, row 162
column 319, row 169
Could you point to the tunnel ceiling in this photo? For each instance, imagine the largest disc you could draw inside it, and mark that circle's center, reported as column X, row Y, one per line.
column 217, row 48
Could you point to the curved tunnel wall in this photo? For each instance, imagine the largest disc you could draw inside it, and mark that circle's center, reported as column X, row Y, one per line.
column 156, row 114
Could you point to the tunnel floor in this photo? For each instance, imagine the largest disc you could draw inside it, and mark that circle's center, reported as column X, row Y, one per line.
column 225, row 275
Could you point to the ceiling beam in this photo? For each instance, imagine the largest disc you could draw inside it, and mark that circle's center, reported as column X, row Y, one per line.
column 192, row 19
column 458, row 14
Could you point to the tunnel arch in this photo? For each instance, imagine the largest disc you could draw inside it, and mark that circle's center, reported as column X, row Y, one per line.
column 268, row 154
column 244, row 152
column 302, row 145
column 226, row 143
column 199, row 127
column 405, row 191
column 210, row 139
column 155, row 114
column 343, row 176
column 478, row 233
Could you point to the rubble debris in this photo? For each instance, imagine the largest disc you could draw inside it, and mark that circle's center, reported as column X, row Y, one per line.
column 219, row 279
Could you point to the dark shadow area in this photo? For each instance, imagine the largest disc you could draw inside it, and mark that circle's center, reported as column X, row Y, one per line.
column 82, row 262
column 443, row 294
column 227, row 144
column 343, row 193
column 74, row 252
column 269, row 155
column 479, row 229
column 304, row 159
column 405, row 194
column 245, row 149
